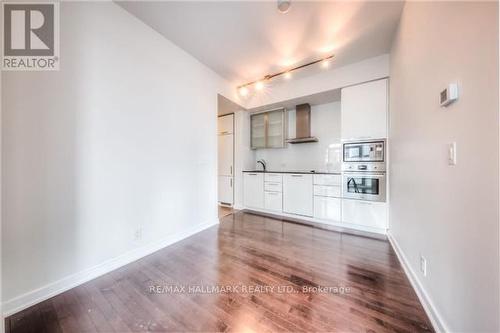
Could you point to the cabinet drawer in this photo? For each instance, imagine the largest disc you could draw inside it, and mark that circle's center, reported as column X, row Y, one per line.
column 366, row 213
column 272, row 187
column 273, row 201
column 327, row 191
column 326, row 208
column 327, row 180
column 273, row 177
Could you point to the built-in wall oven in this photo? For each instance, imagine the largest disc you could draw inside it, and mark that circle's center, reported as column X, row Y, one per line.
column 363, row 166
column 364, row 186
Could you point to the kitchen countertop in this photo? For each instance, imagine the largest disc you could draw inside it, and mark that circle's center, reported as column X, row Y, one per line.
column 312, row 172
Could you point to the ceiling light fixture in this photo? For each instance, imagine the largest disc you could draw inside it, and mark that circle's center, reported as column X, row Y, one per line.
column 259, row 84
column 284, row 6
column 243, row 91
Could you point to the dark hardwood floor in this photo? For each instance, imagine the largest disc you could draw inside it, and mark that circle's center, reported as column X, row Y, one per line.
column 283, row 263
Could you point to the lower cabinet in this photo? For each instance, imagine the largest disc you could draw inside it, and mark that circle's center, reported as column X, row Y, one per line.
column 317, row 199
column 365, row 213
column 326, row 208
column 298, row 194
column 253, row 190
column 273, row 201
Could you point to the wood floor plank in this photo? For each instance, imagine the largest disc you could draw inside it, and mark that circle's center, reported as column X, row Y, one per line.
column 245, row 250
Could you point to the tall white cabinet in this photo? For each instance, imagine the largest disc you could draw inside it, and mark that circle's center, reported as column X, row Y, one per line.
column 364, row 111
column 225, row 159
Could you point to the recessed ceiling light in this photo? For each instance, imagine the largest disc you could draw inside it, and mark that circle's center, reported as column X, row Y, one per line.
column 284, row 6
column 259, row 85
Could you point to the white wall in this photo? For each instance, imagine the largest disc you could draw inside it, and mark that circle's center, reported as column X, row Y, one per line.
column 448, row 214
column 123, row 137
column 321, row 155
column 366, row 70
column 2, row 321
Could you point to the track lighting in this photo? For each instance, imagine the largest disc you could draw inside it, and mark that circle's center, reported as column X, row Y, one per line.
column 260, row 84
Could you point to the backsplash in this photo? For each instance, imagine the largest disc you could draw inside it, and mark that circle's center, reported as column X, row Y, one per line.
column 324, row 155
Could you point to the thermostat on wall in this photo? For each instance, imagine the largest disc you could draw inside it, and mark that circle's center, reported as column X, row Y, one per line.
column 449, row 95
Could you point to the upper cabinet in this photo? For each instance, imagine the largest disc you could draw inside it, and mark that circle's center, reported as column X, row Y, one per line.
column 268, row 129
column 364, row 111
column 225, row 124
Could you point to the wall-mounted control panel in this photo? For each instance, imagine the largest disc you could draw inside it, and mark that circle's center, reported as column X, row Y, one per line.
column 448, row 95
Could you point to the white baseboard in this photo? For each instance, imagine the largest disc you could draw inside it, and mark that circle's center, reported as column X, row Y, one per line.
column 430, row 309
column 33, row 297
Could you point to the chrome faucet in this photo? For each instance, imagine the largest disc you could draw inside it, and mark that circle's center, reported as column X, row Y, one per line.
column 263, row 164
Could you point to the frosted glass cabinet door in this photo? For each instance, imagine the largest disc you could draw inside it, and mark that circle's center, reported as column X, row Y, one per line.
column 258, row 130
column 275, row 129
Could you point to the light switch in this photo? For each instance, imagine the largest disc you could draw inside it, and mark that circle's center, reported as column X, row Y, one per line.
column 452, row 153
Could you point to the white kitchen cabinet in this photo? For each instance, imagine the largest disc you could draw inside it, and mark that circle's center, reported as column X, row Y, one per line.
column 272, row 187
column 364, row 111
column 273, row 177
column 365, row 213
column 253, row 190
column 225, row 190
column 298, row 194
column 225, row 124
column 335, row 180
column 327, row 208
column 273, row 201
column 327, row 191
column 225, row 155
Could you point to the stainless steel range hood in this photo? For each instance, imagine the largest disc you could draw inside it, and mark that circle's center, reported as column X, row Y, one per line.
column 303, row 125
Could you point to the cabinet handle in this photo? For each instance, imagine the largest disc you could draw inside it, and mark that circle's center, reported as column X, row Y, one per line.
column 296, row 175
column 252, row 174
column 365, row 203
column 231, row 170
column 231, row 182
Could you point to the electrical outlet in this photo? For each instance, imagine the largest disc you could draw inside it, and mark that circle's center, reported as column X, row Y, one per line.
column 138, row 234
column 423, row 265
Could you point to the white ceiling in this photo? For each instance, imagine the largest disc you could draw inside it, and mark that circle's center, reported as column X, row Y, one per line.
column 243, row 41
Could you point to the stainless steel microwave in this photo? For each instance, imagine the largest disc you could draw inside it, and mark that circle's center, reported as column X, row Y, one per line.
column 363, row 156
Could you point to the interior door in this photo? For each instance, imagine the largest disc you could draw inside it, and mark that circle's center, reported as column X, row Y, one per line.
column 225, row 155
